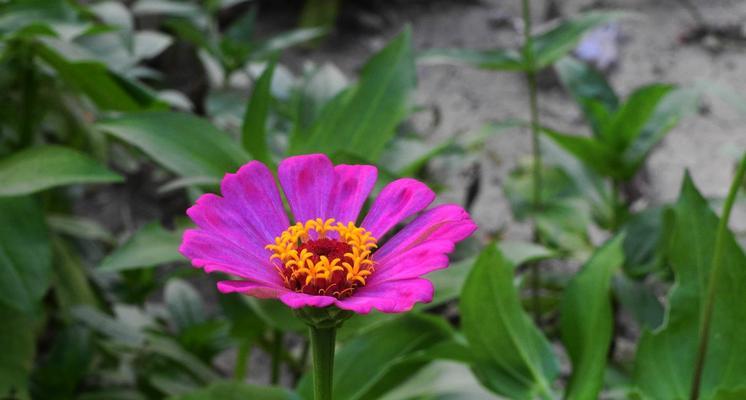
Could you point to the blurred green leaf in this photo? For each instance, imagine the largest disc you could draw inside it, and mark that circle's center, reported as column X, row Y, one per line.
column 590, row 90
column 586, row 320
column 634, row 114
column 593, row 153
column 254, row 128
column 71, row 286
column 106, row 325
column 44, row 167
column 321, row 87
column 276, row 314
column 55, row 17
column 554, row 44
column 441, row 380
column 184, row 304
column 107, row 89
column 25, row 254
column 666, row 357
column 367, row 114
column 369, row 365
column 319, row 13
column 640, row 300
column 500, row 60
column 286, row 40
column 148, row 247
column 512, row 357
column 79, row 227
column 519, row 253
column 183, row 143
column 642, row 242
column 225, row 390
column 18, row 341
column 65, row 366
column 670, row 110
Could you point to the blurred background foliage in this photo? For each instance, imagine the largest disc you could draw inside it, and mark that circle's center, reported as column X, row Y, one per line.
column 117, row 115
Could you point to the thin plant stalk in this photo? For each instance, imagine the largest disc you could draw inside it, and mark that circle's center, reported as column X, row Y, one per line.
column 322, row 349
column 715, row 271
column 242, row 358
column 277, row 347
column 528, row 58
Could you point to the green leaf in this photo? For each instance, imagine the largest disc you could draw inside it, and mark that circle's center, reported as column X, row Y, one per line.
column 254, row 128
column 586, row 320
column 593, row 153
column 590, row 90
column 640, row 300
column 519, row 253
column 670, row 110
column 361, row 120
column 65, row 366
column 286, row 40
column 70, row 284
column 554, row 44
column 512, row 356
column 498, row 60
column 666, row 357
column 79, row 227
column 107, row 89
column 373, row 363
column 231, row 390
column 18, row 341
column 44, row 167
column 276, row 314
column 642, row 242
column 148, row 247
column 25, row 254
column 184, row 304
column 183, row 143
column 634, row 114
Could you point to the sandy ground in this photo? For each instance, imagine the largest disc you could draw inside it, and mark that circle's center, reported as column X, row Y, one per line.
column 706, row 144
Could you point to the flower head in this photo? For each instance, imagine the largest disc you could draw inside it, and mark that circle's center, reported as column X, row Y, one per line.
column 325, row 257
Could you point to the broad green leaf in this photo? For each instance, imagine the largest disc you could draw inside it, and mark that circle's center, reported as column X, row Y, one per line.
column 670, row 110
column 70, row 285
column 373, row 363
column 441, row 380
column 254, row 128
column 44, row 167
column 634, row 115
column 183, row 143
column 586, row 320
column 499, row 60
column 107, row 89
column 148, row 247
column 184, row 304
column 361, row 120
column 106, row 325
column 512, row 356
column 642, row 242
column 286, row 40
column 25, row 254
column 554, row 44
column 590, row 90
column 593, row 153
column 519, row 253
column 79, row 227
column 665, row 358
column 18, row 341
column 231, row 390
column 64, row 366
column 640, row 300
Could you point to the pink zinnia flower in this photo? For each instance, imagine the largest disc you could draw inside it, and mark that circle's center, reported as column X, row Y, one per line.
column 324, row 258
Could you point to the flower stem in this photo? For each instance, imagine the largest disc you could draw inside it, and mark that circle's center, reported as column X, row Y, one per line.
column 276, row 356
column 244, row 351
column 322, row 348
column 715, row 269
column 528, row 59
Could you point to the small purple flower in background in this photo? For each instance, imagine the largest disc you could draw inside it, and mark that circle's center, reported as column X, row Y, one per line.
column 323, row 258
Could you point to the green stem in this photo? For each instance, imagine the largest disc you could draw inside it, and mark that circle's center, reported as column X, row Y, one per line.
column 715, row 269
column 528, row 58
column 277, row 347
column 242, row 358
column 322, row 348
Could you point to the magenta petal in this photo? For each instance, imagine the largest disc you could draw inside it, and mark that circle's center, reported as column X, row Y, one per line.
column 444, row 222
column 300, row 300
column 307, row 181
column 397, row 201
column 413, row 263
column 389, row 297
column 217, row 253
column 251, row 288
column 353, row 185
